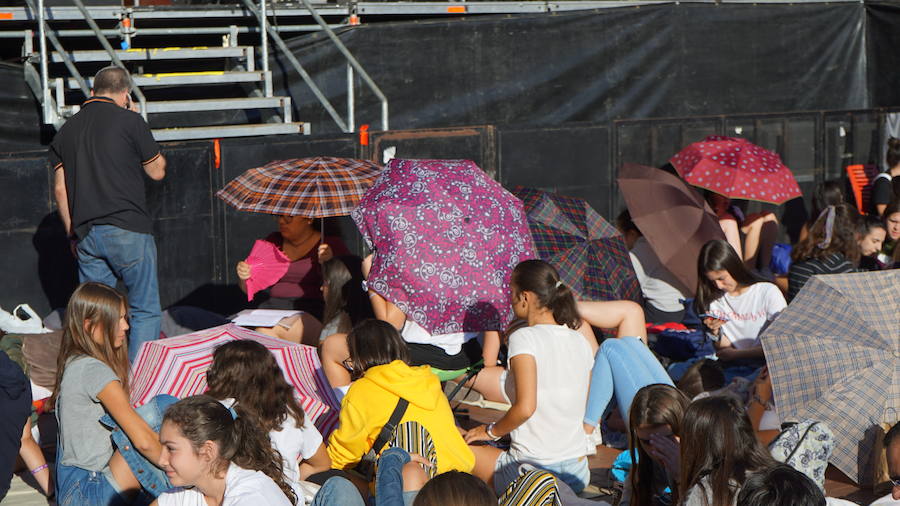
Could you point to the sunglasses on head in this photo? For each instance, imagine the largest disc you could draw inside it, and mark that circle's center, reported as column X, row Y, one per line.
column 895, row 481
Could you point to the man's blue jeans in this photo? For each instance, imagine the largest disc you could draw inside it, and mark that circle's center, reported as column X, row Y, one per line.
column 109, row 253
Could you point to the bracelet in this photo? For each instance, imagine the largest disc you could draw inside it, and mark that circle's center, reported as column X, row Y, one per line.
column 489, row 430
column 759, row 401
column 39, row 469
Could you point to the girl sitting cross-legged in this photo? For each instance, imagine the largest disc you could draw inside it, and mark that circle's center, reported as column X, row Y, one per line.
column 735, row 306
column 92, row 381
column 549, row 373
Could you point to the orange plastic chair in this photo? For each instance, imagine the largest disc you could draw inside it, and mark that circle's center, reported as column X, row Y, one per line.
column 861, row 177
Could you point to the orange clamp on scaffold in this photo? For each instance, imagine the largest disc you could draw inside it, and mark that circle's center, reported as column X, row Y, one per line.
column 217, row 152
column 364, row 135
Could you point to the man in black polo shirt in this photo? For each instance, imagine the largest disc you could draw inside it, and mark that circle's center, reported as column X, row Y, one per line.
column 100, row 156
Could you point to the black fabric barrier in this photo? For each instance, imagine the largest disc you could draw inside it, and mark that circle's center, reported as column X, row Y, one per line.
column 20, row 113
column 542, row 70
column 200, row 239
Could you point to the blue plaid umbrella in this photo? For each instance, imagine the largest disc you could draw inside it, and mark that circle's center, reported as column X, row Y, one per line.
column 834, row 356
column 588, row 252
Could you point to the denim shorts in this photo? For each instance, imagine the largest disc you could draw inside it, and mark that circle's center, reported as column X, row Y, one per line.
column 574, row 472
column 76, row 487
column 152, row 479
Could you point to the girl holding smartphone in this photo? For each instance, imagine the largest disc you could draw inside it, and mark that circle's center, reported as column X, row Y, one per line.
column 737, row 304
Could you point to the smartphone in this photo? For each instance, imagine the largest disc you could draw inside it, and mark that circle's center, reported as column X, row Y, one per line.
column 715, row 317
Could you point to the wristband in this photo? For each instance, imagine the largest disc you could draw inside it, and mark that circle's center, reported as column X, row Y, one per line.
column 489, row 430
column 39, row 469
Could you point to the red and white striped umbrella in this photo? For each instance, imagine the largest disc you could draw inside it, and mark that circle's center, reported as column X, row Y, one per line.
column 177, row 366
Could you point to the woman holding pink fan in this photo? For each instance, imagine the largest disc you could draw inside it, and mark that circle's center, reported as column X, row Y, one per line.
column 299, row 241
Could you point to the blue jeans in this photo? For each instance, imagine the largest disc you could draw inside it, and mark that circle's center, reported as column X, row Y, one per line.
column 76, row 486
column 152, row 479
column 622, row 366
column 338, row 490
column 108, row 253
column 573, row 472
column 389, row 479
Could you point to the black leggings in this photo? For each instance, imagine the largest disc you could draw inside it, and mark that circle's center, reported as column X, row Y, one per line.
column 428, row 354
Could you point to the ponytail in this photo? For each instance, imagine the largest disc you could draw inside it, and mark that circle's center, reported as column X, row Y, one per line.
column 540, row 278
column 201, row 418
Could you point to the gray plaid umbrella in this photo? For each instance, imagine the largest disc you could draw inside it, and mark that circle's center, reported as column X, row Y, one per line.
column 834, row 356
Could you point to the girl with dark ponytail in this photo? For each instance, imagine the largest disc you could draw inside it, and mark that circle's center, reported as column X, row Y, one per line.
column 549, row 372
column 220, row 456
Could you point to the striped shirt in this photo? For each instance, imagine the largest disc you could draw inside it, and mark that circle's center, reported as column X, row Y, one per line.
column 801, row 271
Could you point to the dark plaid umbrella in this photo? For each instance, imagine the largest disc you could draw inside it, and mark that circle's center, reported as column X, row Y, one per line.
column 588, row 252
column 834, row 356
column 311, row 187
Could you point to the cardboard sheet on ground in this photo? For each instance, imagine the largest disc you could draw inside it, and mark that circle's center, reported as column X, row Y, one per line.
column 267, row 265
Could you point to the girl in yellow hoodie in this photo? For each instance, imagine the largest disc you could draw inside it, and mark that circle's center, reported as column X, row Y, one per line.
column 378, row 363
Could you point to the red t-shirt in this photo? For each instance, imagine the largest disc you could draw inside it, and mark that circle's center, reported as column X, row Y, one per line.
column 303, row 278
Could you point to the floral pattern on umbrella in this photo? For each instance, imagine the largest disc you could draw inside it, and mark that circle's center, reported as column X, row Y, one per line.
column 446, row 239
column 177, row 366
column 588, row 252
column 736, row 168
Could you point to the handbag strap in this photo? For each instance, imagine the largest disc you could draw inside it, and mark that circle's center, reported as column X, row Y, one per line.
column 388, row 430
column 800, row 441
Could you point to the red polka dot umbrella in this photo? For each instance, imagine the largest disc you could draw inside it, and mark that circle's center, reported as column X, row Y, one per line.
column 736, row 168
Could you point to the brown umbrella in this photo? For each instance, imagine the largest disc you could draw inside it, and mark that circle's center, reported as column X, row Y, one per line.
column 673, row 217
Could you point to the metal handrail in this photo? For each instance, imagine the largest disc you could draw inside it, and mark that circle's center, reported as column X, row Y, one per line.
column 346, row 126
column 264, row 46
column 196, row 30
column 352, row 61
column 112, row 53
column 299, row 68
column 45, row 33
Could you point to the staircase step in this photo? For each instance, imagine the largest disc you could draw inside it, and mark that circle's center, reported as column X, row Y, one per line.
column 217, row 131
column 159, row 53
column 184, row 78
column 214, row 104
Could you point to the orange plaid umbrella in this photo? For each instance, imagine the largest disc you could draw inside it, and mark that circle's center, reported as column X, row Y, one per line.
column 311, row 187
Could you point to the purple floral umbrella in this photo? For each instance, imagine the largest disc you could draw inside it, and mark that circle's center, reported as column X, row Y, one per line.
column 446, row 239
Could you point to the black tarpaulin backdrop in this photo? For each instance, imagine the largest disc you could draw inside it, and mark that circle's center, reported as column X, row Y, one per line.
column 20, row 113
column 651, row 61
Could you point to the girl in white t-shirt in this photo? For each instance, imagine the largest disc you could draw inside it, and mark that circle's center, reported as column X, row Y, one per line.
column 218, row 456
column 549, row 372
column 735, row 306
column 246, row 371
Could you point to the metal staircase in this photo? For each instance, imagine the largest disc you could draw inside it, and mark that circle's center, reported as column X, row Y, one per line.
column 184, row 92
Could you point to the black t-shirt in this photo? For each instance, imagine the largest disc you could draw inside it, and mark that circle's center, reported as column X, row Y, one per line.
column 882, row 191
column 103, row 150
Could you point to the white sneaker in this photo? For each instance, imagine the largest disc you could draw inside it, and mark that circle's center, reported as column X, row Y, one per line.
column 593, row 440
